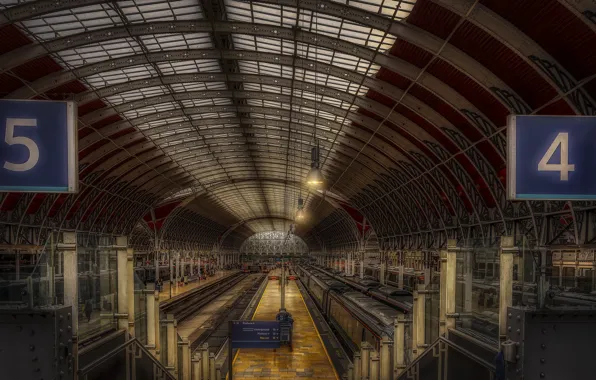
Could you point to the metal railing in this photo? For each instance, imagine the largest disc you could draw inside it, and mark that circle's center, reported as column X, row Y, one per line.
column 128, row 361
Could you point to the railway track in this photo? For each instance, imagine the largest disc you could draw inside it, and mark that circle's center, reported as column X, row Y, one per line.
column 214, row 332
column 192, row 301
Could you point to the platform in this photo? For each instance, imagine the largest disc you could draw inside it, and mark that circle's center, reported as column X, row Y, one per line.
column 165, row 293
column 308, row 360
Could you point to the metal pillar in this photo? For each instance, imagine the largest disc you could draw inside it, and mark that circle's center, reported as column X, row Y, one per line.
column 468, row 256
column 177, row 271
column 443, row 294
column 152, row 328
column 283, row 285
column 130, row 290
column 418, row 313
column 505, row 283
column 451, row 281
column 400, row 343
column 385, row 363
column 400, row 278
column 123, row 278
column 353, row 272
column 382, row 273
column 171, row 262
column 71, row 277
column 362, row 268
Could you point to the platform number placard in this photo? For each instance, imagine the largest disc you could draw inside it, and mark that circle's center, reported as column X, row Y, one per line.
column 562, row 142
column 551, row 157
column 38, row 146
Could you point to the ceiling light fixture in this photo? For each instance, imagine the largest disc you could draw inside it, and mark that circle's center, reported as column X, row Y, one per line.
column 315, row 177
column 300, row 214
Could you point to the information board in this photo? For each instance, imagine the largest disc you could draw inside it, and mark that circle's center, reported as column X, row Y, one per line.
column 255, row 334
column 551, row 157
column 38, row 146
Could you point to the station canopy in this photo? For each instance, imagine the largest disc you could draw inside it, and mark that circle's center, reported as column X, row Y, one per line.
column 204, row 112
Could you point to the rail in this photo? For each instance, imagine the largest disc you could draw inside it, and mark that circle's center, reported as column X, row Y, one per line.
column 193, row 300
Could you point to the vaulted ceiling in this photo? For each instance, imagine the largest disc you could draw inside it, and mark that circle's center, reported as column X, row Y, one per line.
column 200, row 114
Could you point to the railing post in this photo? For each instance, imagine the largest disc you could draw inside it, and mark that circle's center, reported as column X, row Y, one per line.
column 451, row 282
column 399, row 347
column 217, row 372
column 508, row 249
column 350, row 372
column 172, row 344
column 385, row 363
column 365, row 350
column 357, row 366
column 185, row 359
column 212, row 369
column 205, row 361
column 374, row 365
column 123, row 294
column 196, row 367
column 443, row 294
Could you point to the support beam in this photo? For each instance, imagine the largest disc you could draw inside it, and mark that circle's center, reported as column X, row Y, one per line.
column 508, row 249
column 451, row 282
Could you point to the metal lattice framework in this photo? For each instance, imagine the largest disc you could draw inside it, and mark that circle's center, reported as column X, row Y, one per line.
column 212, row 105
column 274, row 243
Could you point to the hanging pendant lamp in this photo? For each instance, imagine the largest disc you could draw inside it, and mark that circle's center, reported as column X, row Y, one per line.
column 315, row 177
column 300, row 214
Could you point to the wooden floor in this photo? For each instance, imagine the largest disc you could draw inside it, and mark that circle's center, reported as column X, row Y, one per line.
column 165, row 293
column 308, row 360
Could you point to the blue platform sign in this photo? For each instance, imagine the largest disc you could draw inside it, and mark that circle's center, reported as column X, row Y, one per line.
column 255, row 334
column 38, row 146
column 551, row 157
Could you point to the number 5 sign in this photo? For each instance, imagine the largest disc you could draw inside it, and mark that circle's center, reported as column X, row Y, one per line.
column 38, row 146
column 551, row 157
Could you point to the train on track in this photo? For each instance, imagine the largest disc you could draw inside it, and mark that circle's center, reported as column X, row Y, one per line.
column 355, row 316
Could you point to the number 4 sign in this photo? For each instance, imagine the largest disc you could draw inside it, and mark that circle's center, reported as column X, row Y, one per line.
column 551, row 157
column 38, row 146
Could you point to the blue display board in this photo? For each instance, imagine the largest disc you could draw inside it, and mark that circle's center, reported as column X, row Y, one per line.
column 255, row 334
column 551, row 157
column 38, row 146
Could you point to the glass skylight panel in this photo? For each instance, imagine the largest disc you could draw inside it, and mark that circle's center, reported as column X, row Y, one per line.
column 189, row 67
column 197, row 86
column 134, row 113
column 197, row 102
column 127, row 74
column 177, row 41
column 99, row 52
column 137, row 94
column 157, row 123
column 72, row 21
column 157, row 10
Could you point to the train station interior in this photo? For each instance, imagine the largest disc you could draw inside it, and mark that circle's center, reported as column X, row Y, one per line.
column 297, row 189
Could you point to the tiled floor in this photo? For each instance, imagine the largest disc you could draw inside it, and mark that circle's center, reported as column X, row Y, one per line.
column 308, row 360
column 165, row 293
